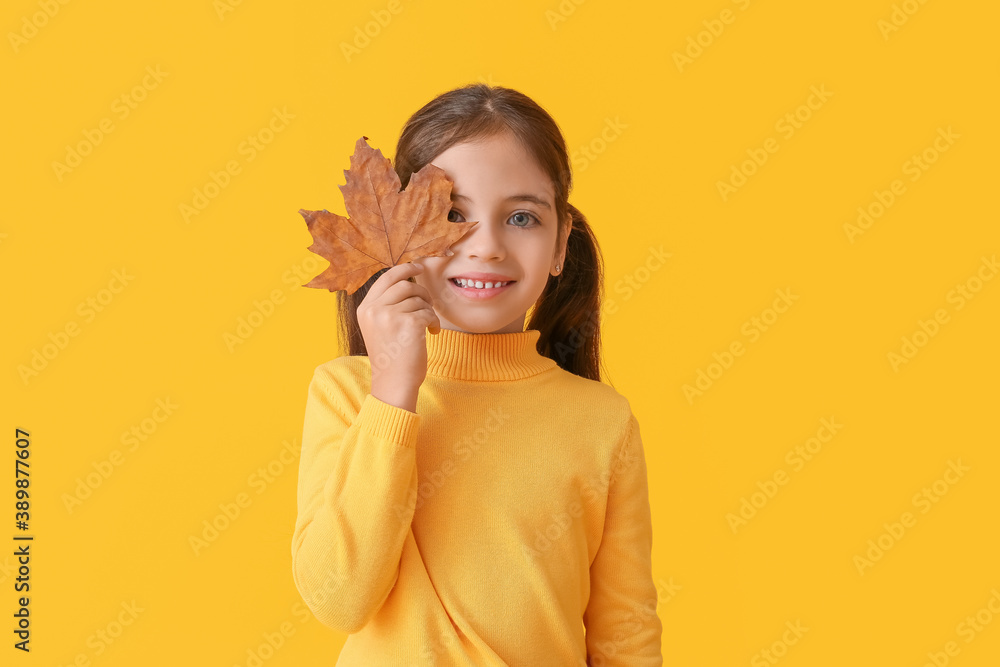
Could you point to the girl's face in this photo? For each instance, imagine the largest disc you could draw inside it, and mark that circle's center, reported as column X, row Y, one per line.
column 496, row 182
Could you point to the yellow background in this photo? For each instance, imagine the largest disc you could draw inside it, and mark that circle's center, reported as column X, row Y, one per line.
column 653, row 184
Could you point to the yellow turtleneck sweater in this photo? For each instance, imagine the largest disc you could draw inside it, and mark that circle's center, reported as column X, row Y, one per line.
column 505, row 522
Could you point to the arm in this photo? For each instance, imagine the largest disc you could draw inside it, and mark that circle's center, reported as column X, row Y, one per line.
column 621, row 621
column 357, row 476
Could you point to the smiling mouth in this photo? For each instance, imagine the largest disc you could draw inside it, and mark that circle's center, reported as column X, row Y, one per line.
column 481, row 284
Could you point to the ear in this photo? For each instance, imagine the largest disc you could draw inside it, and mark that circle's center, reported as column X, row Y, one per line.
column 560, row 257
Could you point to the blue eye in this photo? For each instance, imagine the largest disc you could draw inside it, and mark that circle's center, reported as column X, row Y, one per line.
column 527, row 215
column 526, row 218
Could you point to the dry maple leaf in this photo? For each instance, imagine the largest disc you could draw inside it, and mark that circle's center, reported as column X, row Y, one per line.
column 386, row 227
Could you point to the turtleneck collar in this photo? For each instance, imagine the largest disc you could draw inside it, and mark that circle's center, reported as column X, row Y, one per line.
column 485, row 357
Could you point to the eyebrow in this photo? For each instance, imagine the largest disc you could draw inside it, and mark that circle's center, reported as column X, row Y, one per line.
column 534, row 199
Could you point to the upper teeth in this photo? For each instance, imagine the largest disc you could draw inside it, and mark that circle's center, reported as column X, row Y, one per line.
column 478, row 284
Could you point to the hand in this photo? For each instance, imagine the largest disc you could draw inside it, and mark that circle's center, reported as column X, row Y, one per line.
column 394, row 318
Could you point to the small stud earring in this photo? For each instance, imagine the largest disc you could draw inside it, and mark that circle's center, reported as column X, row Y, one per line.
column 558, row 267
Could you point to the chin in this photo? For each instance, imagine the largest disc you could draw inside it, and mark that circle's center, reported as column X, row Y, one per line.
column 479, row 325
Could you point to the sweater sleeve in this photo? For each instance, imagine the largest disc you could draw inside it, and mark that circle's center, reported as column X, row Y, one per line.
column 357, row 480
column 622, row 627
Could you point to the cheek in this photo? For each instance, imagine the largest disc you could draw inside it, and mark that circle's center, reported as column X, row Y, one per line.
column 433, row 270
column 433, row 280
column 541, row 258
column 431, row 264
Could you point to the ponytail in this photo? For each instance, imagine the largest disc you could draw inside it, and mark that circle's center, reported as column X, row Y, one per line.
column 568, row 313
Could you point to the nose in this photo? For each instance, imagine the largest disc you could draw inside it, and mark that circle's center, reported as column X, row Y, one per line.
column 484, row 241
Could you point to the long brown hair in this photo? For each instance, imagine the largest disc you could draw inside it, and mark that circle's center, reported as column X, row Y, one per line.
column 567, row 314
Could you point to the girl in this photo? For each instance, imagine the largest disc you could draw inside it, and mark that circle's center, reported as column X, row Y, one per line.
column 478, row 496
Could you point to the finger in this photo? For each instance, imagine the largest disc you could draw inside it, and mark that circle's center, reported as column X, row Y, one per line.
column 403, row 289
column 391, row 276
column 431, row 321
column 411, row 304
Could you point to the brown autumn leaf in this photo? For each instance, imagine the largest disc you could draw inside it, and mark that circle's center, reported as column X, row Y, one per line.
column 385, row 227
